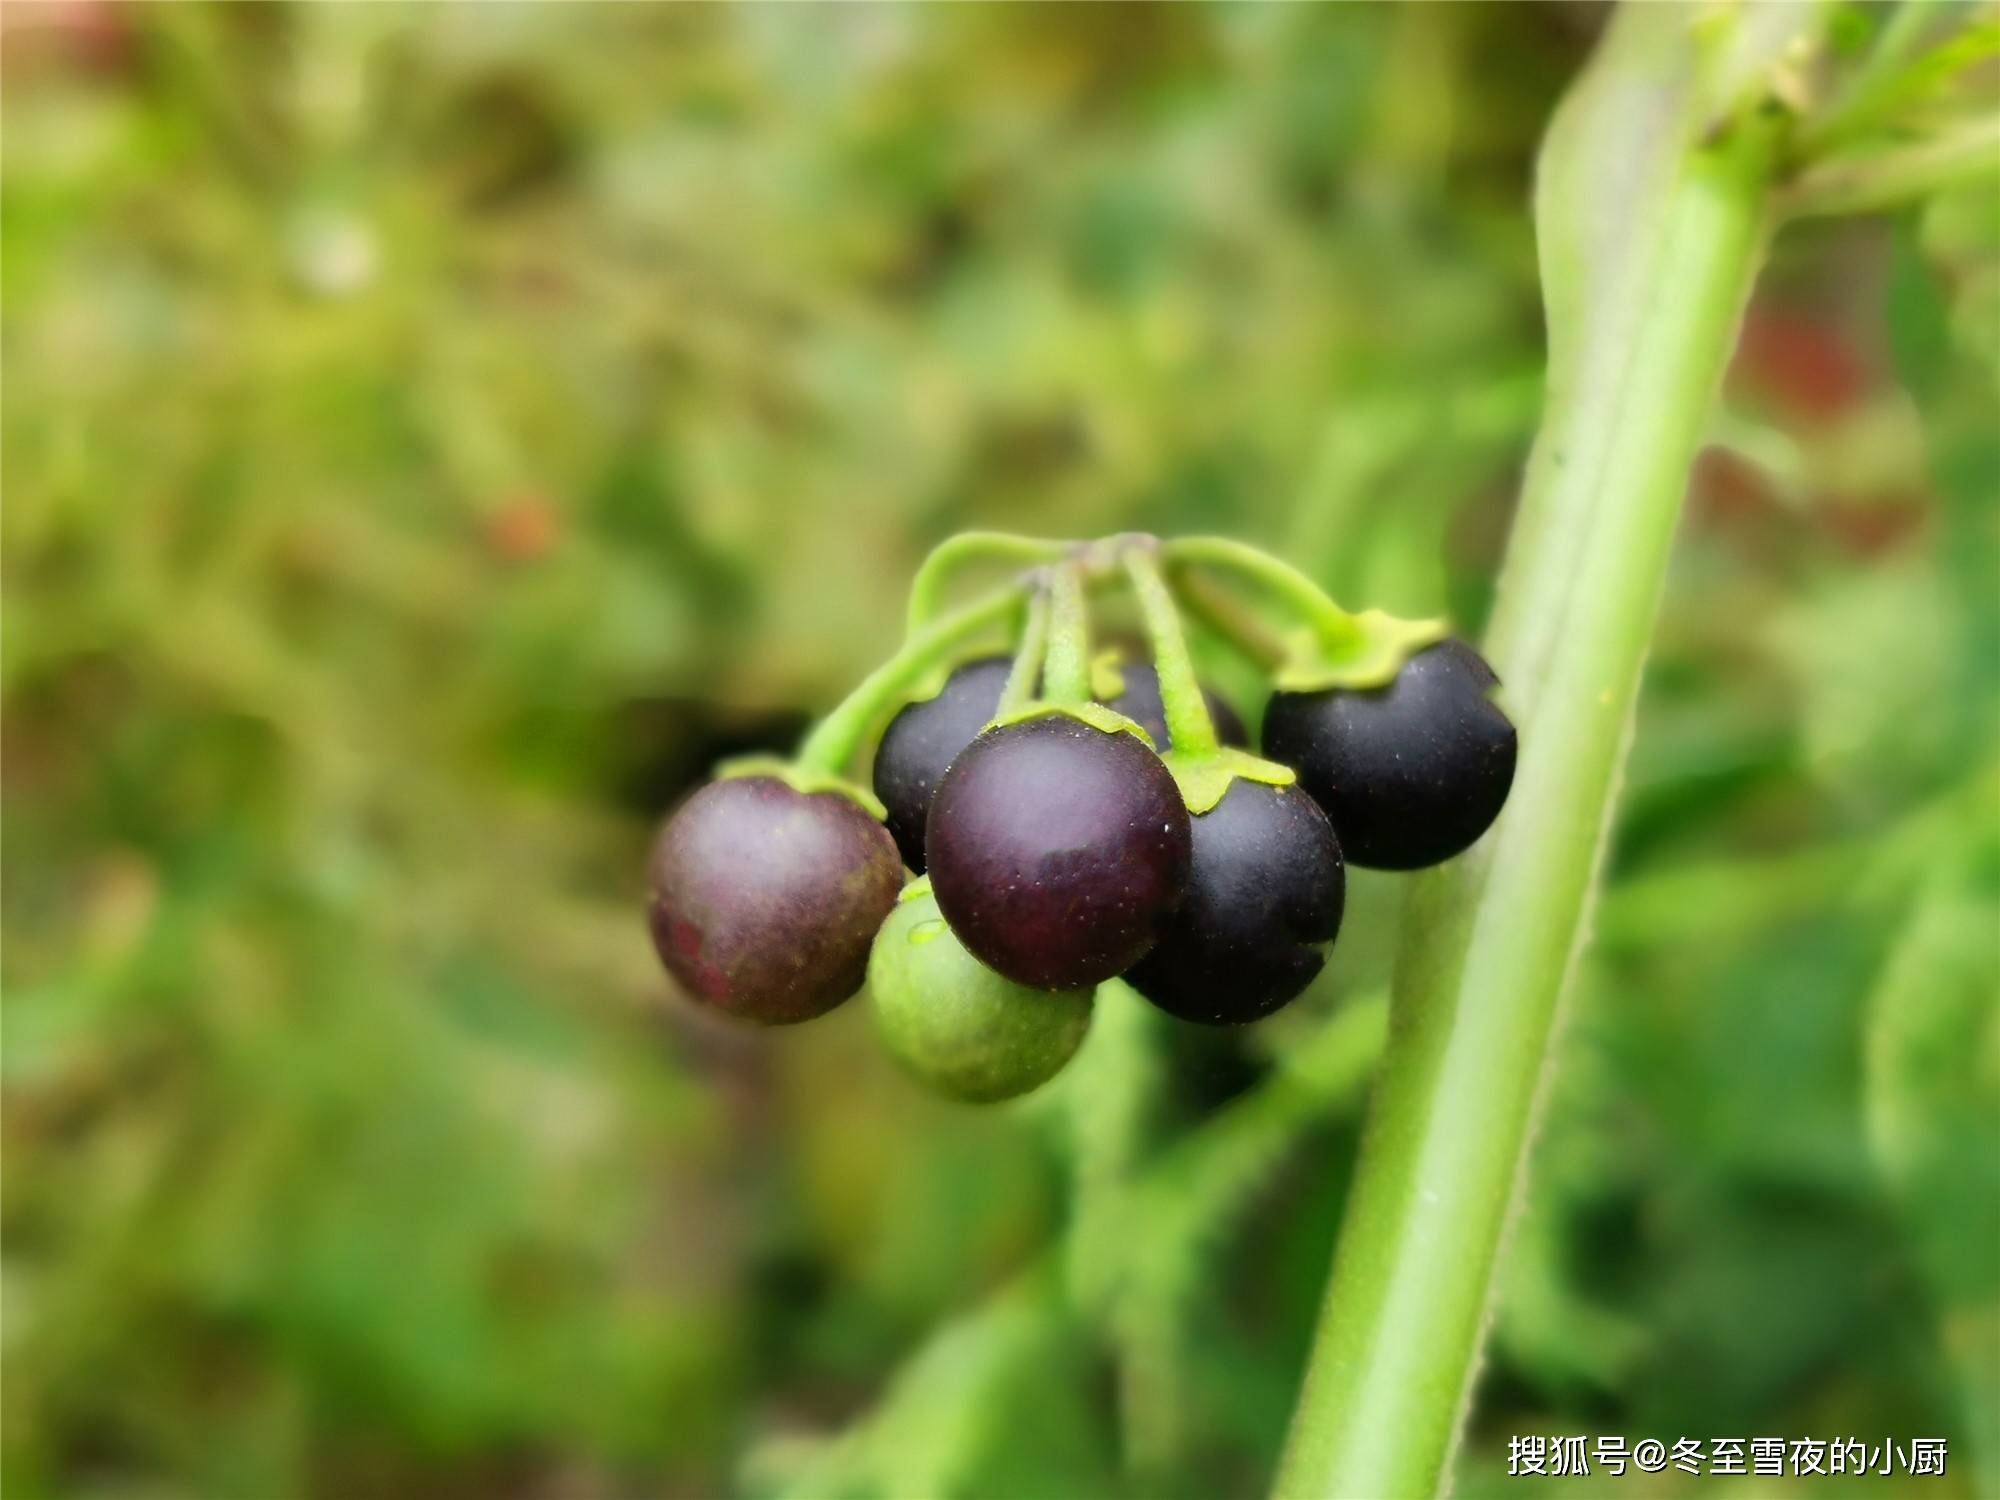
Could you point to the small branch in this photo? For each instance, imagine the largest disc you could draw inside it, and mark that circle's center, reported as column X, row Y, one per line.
column 1875, row 180
column 946, row 560
column 1066, row 679
column 1027, row 668
column 1222, row 614
column 832, row 743
column 1112, row 1100
column 1268, row 576
column 1188, row 722
column 1891, row 81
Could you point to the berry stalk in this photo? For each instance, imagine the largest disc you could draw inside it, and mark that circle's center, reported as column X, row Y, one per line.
column 1334, row 647
column 833, row 742
column 1223, row 614
column 1066, row 677
column 1189, row 724
column 1957, row 157
column 969, row 548
column 1020, row 686
column 1273, row 579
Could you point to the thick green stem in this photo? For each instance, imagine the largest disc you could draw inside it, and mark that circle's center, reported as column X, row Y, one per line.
column 1643, row 310
column 832, row 743
column 1066, row 679
column 1268, row 576
column 964, row 550
column 1188, row 721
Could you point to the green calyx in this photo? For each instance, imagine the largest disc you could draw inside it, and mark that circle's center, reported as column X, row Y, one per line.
column 1096, row 715
column 1106, row 680
column 1329, row 647
column 1203, row 779
column 801, row 778
column 1371, row 655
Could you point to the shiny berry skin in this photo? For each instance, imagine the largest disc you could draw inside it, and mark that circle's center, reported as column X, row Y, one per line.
column 958, row 1026
column 924, row 739
column 1410, row 773
column 1140, row 702
column 765, row 898
column 1264, row 900
column 1057, row 849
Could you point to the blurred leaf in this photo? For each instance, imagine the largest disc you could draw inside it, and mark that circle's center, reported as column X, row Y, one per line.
column 1933, row 1075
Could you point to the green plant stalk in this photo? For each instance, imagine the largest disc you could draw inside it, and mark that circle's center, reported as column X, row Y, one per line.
column 832, row 743
column 1332, row 647
column 966, row 549
column 1228, row 620
column 1270, row 578
column 1027, row 667
column 1963, row 156
column 1892, row 81
column 1637, row 351
column 1188, row 722
column 1066, row 678
column 1203, row 768
column 1112, row 1095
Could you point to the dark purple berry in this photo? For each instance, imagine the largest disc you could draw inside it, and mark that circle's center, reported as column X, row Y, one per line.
column 1410, row 773
column 1056, row 850
column 1264, row 899
column 924, row 739
column 1140, row 702
column 765, row 898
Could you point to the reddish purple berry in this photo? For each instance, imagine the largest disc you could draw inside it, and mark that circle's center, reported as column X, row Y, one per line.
column 765, row 898
column 1056, row 850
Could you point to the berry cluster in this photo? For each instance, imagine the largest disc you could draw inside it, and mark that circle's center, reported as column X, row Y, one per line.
column 1070, row 820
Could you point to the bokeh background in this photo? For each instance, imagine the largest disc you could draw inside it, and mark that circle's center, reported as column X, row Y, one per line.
column 433, row 435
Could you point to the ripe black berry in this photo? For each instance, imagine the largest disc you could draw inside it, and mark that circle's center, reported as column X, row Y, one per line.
column 1264, row 900
column 924, row 739
column 1410, row 773
column 765, row 898
column 1140, row 702
column 1056, row 849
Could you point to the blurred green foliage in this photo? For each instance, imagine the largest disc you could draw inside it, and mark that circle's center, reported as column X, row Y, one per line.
column 433, row 434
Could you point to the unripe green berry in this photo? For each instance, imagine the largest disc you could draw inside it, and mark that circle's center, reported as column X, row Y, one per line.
column 956, row 1025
